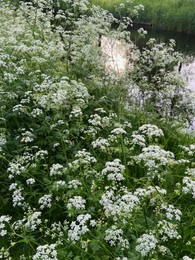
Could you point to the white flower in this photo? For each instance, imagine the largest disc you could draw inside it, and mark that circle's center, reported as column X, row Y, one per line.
column 100, row 143
column 187, row 258
column 168, row 230
column 74, row 184
column 76, row 112
column 83, row 158
column 118, row 131
column 114, row 170
column 41, row 154
column 46, row 252
column 95, row 120
column 138, row 139
column 146, row 244
column 17, row 198
column 30, row 181
column 36, row 112
column 56, row 169
column 15, row 168
column 119, row 206
column 171, row 212
column 78, row 227
column 45, row 201
column 76, row 202
column 162, row 249
column 27, row 137
column 13, row 186
column 114, row 236
column 59, row 184
column 3, row 221
column 33, row 220
column 189, row 182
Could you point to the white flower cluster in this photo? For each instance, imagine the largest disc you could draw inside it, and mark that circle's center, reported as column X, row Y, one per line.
column 138, row 139
column 3, row 221
column 82, row 5
column 76, row 202
column 36, row 112
column 83, row 158
column 27, row 137
column 168, row 230
column 162, row 249
column 15, row 168
column 189, row 182
column 59, row 184
column 33, row 220
column 45, row 201
column 190, row 150
column 153, row 194
column 78, row 227
column 114, row 236
column 95, row 120
column 171, row 212
column 58, row 123
column 119, row 206
column 146, row 132
column 76, row 112
column 153, row 157
column 187, row 258
column 100, row 110
column 151, row 131
column 155, row 153
column 41, row 154
column 146, row 244
column 4, row 253
column 114, row 170
column 142, row 32
column 118, row 131
column 19, row 109
column 147, row 193
column 30, row 181
column 100, row 122
column 74, row 184
column 17, row 198
column 46, row 252
column 63, row 94
column 56, row 169
column 100, row 143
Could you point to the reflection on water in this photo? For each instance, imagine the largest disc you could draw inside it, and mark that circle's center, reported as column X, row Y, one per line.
column 189, row 71
column 115, row 55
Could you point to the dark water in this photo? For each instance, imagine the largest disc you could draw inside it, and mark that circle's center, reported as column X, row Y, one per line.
column 185, row 43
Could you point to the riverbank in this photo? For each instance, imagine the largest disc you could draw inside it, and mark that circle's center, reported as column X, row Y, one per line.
column 172, row 15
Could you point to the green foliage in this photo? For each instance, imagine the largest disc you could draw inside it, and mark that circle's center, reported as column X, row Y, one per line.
column 86, row 171
column 173, row 15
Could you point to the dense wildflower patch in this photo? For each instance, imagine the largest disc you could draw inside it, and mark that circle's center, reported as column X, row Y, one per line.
column 85, row 173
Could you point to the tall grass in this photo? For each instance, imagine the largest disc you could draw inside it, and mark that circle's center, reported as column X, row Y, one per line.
column 173, row 15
